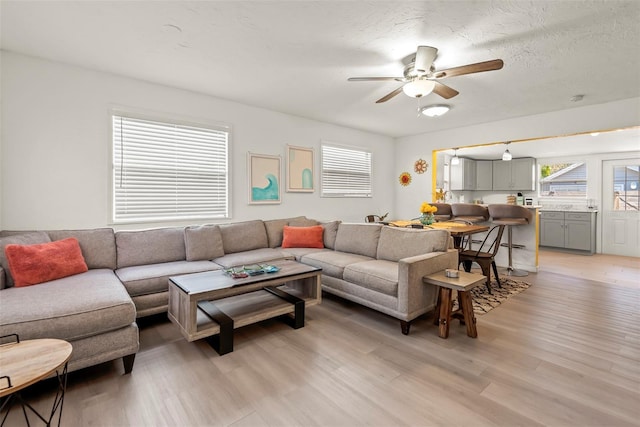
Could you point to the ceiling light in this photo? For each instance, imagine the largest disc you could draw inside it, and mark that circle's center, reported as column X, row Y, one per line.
column 506, row 156
column 419, row 87
column 435, row 110
column 455, row 160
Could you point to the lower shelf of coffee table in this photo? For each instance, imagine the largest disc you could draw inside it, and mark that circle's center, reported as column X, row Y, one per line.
column 246, row 309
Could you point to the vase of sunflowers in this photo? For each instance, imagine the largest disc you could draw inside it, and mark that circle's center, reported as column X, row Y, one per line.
column 426, row 213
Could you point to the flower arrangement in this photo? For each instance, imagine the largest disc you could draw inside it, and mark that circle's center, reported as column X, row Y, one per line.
column 426, row 208
column 427, row 211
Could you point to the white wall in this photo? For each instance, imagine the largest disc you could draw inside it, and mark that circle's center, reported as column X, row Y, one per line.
column 55, row 146
column 612, row 115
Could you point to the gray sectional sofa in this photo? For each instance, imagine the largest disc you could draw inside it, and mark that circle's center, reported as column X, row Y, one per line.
column 377, row 266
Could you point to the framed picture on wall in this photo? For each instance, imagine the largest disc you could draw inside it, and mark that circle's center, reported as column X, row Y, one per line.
column 300, row 171
column 264, row 179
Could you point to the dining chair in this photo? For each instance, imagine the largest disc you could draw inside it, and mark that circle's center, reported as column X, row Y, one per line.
column 485, row 255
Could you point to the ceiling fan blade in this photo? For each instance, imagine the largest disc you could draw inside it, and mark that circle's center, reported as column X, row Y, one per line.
column 479, row 67
column 389, row 95
column 374, row 79
column 425, row 55
column 444, row 91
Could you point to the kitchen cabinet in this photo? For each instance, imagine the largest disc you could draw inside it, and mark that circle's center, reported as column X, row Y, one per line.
column 484, row 175
column 515, row 175
column 568, row 230
column 463, row 175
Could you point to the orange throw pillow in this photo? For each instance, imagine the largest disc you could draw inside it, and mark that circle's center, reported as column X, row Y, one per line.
column 33, row 264
column 302, row 237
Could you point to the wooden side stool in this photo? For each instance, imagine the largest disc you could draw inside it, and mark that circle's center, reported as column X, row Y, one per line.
column 463, row 284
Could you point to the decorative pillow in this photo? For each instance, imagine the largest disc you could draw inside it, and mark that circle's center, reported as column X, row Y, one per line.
column 33, row 264
column 203, row 242
column 303, row 237
column 27, row 238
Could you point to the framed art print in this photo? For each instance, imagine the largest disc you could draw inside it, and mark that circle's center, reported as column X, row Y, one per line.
column 299, row 169
column 264, row 179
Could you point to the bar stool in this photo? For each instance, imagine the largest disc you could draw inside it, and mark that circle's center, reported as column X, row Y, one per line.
column 469, row 212
column 510, row 215
column 444, row 211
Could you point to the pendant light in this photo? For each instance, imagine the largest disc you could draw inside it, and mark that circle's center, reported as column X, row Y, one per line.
column 506, row 156
column 455, row 160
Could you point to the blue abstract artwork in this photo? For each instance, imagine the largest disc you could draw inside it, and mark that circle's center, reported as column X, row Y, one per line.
column 264, row 178
column 299, row 169
column 270, row 192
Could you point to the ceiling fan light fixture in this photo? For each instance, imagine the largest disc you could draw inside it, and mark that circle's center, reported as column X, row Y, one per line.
column 436, row 110
column 418, row 88
column 506, row 156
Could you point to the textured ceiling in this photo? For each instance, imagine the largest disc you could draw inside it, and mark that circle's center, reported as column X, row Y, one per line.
column 295, row 56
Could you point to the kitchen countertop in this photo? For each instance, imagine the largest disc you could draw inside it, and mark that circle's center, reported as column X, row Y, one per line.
column 542, row 209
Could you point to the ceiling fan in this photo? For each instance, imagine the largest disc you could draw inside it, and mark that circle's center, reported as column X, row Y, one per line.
column 421, row 78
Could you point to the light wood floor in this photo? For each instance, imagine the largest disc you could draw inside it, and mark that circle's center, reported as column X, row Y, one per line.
column 566, row 352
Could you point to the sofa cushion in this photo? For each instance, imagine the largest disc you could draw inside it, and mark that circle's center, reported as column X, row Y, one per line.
column 302, row 221
column 244, row 236
column 29, row 238
column 43, row 262
column 98, row 245
column 333, row 263
column 303, row 237
column 298, row 253
column 255, row 256
column 150, row 246
column 361, row 239
column 274, row 228
column 377, row 275
column 203, row 242
column 152, row 278
column 71, row 308
column 397, row 243
column 330, row 232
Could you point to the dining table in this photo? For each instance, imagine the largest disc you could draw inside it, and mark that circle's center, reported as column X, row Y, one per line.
column 458, row 230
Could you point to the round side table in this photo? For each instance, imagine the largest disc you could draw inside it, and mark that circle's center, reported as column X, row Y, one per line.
column 25, row 363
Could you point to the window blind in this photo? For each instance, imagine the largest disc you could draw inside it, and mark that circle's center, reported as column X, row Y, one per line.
column 346, row 172
column 168, row 171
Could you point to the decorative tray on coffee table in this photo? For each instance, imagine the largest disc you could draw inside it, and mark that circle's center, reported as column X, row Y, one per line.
column 250, row 270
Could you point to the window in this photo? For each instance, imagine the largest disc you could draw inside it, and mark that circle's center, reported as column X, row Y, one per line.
column 626, row 191
column 346, row 172
column 563, row 179
column 168, row 171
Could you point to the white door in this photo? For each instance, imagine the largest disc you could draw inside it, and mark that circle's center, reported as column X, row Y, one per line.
column 620, row 214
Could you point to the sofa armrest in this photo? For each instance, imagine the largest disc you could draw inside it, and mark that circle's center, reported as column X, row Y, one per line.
column 3, row 279
column 413, row 295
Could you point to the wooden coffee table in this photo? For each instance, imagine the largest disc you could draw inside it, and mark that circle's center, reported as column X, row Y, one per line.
column 463, row 284
column 24, row 363
column 213, row 304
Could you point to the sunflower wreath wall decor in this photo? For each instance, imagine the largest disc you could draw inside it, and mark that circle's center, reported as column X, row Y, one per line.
column 405, row 179
column 420, row 166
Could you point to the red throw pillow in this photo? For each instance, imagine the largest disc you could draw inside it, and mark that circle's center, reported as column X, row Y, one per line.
column 33, row 264
column 302, row 237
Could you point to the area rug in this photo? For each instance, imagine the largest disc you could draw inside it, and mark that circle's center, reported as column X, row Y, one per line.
column 483, row 301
